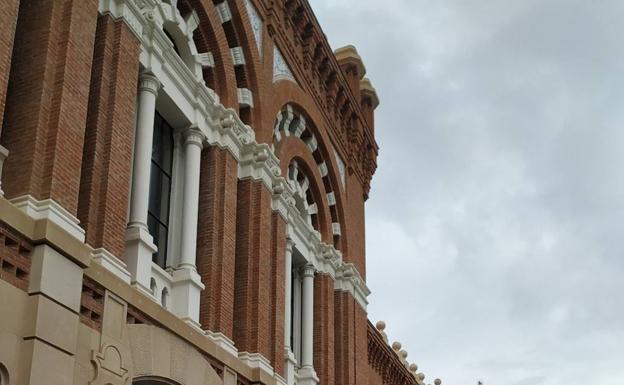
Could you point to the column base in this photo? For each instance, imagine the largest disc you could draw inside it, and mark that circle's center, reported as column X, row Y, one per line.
column 257, row 360
column 290, row 365
column 52, row 211
column 139, row 249
column 111, row 263
column 307, row 376
column 4, row 153
column 186, row 289
column 223, row 341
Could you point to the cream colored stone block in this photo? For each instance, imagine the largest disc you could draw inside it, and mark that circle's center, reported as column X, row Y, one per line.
column 14, row 305
column 229, row 376
column 53, row 323
column 10, row 345
column 55, row 276
column 48, row 366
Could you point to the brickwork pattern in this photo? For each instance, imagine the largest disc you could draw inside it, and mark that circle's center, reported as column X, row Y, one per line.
column 91, row 303
column 344, row 324
column 324, row 360
column 46, row 106
column 107, row 156
column 15, row 262
column 8, row 18
column 253, row 269
column 216, row 239
column 277, row 306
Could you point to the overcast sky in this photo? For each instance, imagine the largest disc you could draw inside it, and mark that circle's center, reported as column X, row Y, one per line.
column 495, row 225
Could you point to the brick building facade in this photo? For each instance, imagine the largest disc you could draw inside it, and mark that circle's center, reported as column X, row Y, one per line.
column 183, row 187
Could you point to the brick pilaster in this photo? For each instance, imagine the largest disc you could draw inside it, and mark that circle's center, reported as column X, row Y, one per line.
column 278, row 253
column 344, row 319
column 8, row 19
column 107, row 156
column 216, row 239
column 324, row 362
column 361, row 345
column 46, row 105
column 252, row 313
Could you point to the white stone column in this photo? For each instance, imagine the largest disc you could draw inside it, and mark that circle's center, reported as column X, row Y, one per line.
column 187, row 284
column 289, row 357
column 288, row 293
column 307, row 375
column 139, row 243
column 193, row 144
column 143, row 139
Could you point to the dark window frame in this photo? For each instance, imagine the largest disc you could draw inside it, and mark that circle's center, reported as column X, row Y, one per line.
column 158, row 215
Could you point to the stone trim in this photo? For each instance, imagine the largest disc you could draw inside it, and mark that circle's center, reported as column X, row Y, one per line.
column 222, row 127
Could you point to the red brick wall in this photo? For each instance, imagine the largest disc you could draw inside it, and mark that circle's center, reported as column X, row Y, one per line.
column 356, row 224
column 46, row 107
column 252, row 298
column 8, row 19
column 277, row 307
column 216, row 239
column 324, row 360
column 344, row 318
column 361, row 345
column 107, row 156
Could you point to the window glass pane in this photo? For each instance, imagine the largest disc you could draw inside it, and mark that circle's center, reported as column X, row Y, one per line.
column 160, row 187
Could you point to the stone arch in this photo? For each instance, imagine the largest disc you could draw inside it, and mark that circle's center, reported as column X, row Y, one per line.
column 305, row 180
column 211, row 44
column 180, row 30
column 177, row 362
column 243, row 57
column 287, row 92
column 292, row 122
column 4, row 375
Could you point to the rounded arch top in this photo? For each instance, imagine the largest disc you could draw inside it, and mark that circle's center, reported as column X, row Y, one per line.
column 293, row 123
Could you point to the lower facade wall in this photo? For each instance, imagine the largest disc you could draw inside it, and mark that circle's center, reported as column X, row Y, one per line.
column 67, row 320
column 79, row 354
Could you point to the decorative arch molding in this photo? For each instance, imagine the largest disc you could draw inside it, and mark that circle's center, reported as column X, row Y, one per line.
column 210, row 40
column 291, row 122
column 223, row 127
column 308, row 198
column 179, row 29
column 242, row 36
column 176, row 362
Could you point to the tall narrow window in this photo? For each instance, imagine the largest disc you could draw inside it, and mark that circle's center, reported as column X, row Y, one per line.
column 160, row 188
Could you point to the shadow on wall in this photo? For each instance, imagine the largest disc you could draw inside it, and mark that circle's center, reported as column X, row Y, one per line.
column 4, row 375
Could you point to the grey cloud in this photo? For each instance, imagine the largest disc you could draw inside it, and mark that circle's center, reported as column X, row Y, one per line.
column 501, row 122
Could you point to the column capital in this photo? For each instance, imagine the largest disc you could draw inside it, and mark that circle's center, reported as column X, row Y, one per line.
column 149, row 82
column 308, row 270
column 193, row 136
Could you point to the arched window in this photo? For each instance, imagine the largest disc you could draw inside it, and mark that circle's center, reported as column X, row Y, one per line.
column 164, row 297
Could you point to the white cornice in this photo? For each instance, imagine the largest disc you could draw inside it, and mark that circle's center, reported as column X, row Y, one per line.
column 223, row 128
